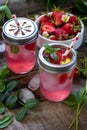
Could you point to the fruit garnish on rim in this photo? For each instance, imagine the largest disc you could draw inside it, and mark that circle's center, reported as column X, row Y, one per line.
column 54, row 55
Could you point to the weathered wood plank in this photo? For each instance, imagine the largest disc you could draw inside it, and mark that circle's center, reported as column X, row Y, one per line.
column 47, row 115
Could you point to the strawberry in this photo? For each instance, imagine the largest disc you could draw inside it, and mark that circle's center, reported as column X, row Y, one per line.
column 55, row 13
column 63, row 78
column 48, row 28
column 69, row 28
column 76, row 72
column 73, row 20
column 61, row 34
column 58, row 19
column 30, row 46
column 59, row 57
column 52, row 37
column 49, row 23
column 44, row 19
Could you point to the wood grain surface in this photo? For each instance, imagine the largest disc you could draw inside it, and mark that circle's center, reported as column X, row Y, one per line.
column 47, row 115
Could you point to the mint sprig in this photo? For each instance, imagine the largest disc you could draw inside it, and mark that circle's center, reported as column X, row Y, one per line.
column 31, row 103
column 51, row 51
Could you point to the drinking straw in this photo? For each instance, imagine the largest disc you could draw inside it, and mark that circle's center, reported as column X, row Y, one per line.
column 71, row 46
column 16, row 20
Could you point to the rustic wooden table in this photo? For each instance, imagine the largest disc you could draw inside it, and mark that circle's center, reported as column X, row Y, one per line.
column 47, row 115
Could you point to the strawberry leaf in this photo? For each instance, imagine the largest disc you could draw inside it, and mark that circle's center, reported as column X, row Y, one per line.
column 71, row 100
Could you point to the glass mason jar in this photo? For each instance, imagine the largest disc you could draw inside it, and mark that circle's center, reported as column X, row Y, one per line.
column 56, row 80
column 20, row 44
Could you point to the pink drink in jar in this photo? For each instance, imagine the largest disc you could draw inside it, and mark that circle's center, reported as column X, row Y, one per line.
column 56, row 79
column 20, row 45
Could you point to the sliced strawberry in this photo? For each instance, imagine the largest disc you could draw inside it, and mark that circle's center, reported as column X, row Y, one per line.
column 30, row 46
column 63, row 78
column 48, row 28
column 73, row 20
column 69, row 28
column 49, row 23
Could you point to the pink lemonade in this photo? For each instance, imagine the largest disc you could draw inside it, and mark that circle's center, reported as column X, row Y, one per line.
column 20, row 36
column 22, row 61
column 56, row 72
column 56, row 87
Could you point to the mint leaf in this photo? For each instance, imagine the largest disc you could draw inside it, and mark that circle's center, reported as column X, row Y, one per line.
column 5, row 71
column 2, row 86
column 9, row 87
column 2, row 108
column 48, row 48
column 31, row 103
column 54, row 56
column 20, row 115
column 6, row 121
column 11, row 101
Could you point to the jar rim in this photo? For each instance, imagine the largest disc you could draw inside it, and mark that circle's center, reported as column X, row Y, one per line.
column 55, row 68
column 19, row 38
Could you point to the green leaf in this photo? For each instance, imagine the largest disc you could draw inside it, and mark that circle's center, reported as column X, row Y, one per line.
column 14, row 49
column 79, row 95
column 6, row 121
column 54, row 56
column 2, row 86
column 48, row 48
column 9, row 87
column 31, row 103
column 5, row 71
column 71, row 100
column 20, row 115
column 11, row 101
column 2, row 108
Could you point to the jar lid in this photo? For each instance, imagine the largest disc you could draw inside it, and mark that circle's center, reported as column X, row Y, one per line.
column 27, row 32
column 55, row 68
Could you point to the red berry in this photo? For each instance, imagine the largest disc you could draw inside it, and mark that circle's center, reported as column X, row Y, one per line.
column 58, row 19
column 30, row 46
column 53, row 37
column 69, row 28
column 44, row 19
column 63, row 78
column 55, row 13
column 76, row 72
column 49, row 23
column 61, row 34
column 73, row 20
column 48, row 28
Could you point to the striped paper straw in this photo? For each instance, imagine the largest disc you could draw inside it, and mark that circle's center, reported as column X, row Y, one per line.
column 71, row 45
column 16, row 20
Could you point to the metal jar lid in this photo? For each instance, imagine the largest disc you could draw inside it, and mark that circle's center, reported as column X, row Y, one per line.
column 27, row 33
column 54, row 68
